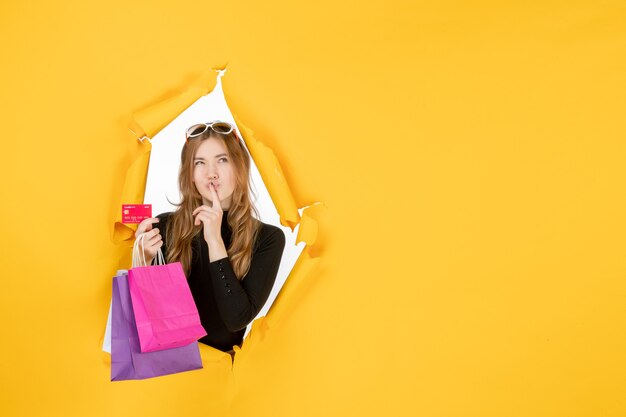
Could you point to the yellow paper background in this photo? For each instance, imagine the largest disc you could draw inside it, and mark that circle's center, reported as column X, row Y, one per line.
column 470, row 156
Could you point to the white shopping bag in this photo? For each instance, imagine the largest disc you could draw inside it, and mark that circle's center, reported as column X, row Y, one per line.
column 106, row 344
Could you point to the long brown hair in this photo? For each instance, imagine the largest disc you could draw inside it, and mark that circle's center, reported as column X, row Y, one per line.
column 181, row 229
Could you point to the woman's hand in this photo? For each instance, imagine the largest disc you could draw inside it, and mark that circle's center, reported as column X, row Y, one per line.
column 152, row 240
column 211, row 218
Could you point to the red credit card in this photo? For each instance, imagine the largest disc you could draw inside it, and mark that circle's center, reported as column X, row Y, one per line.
column 135, row 213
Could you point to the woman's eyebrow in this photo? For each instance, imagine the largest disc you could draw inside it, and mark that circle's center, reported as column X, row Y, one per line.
column 199, row 158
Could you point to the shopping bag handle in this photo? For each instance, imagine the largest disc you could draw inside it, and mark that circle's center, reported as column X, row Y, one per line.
column 139, row 257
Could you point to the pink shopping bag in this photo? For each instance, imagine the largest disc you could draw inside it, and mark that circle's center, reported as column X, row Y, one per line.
column 165, row 312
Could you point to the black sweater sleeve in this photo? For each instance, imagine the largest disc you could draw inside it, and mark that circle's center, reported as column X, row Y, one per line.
column 240, row 301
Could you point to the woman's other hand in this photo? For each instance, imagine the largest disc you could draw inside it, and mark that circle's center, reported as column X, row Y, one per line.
column 152, row 240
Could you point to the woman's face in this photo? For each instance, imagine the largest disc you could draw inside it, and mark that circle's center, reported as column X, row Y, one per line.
column 212, row 164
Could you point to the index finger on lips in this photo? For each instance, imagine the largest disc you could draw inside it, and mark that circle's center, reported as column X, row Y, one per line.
column 215, row 198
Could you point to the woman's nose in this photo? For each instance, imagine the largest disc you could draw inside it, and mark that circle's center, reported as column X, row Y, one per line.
column 212, row 173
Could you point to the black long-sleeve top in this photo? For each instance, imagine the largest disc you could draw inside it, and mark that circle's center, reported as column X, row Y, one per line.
column 225, row 304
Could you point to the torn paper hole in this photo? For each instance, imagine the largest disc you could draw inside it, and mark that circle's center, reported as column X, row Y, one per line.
column 165, row 122
column 162, row 177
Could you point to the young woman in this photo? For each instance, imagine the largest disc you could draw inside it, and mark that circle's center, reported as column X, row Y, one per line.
column 230, row 258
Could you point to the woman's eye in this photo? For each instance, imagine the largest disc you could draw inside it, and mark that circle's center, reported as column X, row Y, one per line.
column 223, row 159
column 198, row 163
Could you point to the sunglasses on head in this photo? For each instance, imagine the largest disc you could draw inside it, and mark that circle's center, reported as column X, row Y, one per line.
column 217, row 126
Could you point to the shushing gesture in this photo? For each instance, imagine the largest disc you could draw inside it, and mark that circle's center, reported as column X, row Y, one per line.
column 210, row 217
column 152, row 240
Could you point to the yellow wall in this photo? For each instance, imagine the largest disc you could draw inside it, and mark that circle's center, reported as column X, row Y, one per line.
column 471, row 156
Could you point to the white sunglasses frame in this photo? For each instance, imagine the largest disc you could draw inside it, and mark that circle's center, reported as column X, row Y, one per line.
column 206, row 127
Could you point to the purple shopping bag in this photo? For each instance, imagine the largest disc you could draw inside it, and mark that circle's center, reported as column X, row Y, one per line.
column 127, row 360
